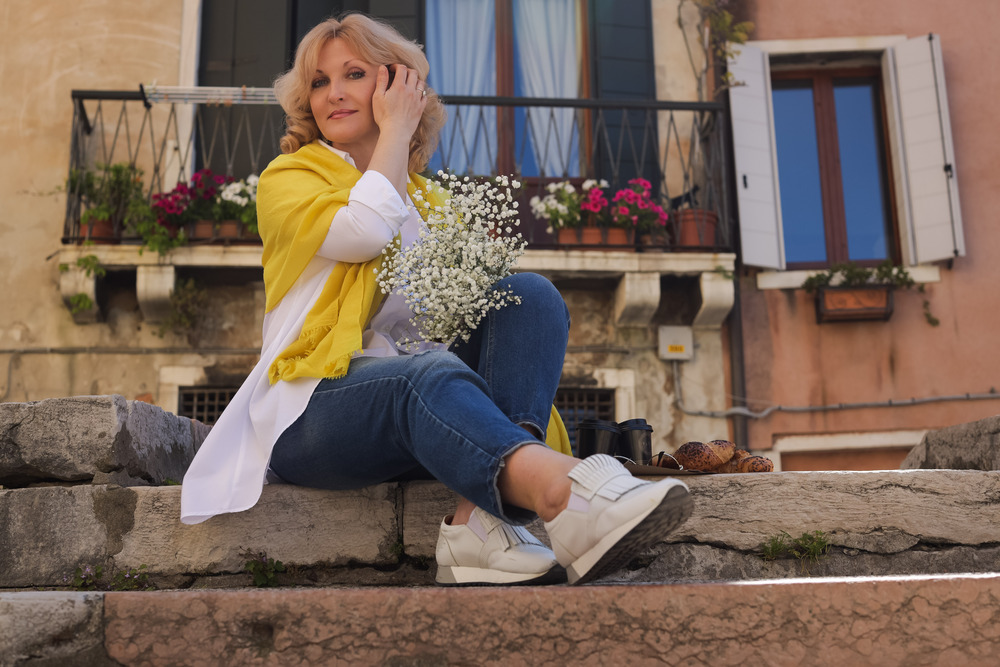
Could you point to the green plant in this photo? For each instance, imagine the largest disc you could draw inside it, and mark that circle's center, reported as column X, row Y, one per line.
column 109, row 194
column 91, row 578
column 808, row 548
column 87, row 578
column 131, row 580
column 711, row 40
column 155, row 235
column 187, row 301
column 849, row 274
column 262, row 569
column 80, row 302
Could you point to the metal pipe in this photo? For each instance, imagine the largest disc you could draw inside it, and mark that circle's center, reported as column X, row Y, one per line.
column 891, row 403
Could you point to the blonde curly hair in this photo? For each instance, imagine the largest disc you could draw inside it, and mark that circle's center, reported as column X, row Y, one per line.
column 374, row 42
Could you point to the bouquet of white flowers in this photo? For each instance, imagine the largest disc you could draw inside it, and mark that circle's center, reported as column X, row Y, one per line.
column 448, row 275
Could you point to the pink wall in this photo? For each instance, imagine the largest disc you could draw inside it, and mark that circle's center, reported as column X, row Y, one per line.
column 790, row 360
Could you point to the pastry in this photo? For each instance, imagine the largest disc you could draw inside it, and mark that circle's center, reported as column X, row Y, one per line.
column 704, row 456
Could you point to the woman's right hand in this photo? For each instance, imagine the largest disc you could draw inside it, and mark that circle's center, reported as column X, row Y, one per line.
column 397, row 108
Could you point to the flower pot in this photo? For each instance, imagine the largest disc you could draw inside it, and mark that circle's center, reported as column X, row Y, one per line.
column 617, row 236
column 99, row 232
column 591, row 236
column 229, row 229
column 202, row 230
column 846, row 304
column 567, row 236
column 696, row 227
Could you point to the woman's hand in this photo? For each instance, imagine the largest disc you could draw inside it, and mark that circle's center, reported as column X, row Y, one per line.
column 397, row 108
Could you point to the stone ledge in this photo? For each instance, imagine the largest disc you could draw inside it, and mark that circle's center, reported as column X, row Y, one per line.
column 49, row 532
column 87, row 438
column 865, row 621
column 880, row 511
column 921, row 516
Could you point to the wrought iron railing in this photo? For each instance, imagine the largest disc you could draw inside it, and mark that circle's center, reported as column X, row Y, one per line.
column 679, row 147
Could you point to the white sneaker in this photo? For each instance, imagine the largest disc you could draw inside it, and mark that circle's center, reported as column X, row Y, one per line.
column 488, row 551
column 611, row 516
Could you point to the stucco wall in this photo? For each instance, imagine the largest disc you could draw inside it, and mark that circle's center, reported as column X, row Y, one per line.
column 792, row 361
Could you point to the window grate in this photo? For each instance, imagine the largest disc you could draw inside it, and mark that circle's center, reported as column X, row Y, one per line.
column 578, row 403
column 204, row 403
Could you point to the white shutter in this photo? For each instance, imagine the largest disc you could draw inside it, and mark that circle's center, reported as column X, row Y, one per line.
column 756, row 165
column 926, row 179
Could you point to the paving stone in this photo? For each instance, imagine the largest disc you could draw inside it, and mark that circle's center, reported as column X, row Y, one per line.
column 971, row 446
column 863, row 621
column 75, row 439
column 52, row 628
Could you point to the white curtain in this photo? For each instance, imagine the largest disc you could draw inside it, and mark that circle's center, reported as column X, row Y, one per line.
column 461, row 48
column 545, row 39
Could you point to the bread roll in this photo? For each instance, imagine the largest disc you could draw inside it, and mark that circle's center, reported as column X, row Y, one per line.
column 732, row 465
column 756, row 464
column 704, row 456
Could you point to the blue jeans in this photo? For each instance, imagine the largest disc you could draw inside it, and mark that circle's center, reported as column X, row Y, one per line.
column 452, row 415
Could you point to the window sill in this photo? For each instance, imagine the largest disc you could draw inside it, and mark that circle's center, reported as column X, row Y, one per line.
column 794, row 279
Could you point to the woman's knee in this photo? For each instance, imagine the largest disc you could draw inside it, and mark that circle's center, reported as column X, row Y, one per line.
column 537, row 292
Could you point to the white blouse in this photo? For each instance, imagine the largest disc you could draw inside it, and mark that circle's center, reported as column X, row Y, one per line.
column 230, row 468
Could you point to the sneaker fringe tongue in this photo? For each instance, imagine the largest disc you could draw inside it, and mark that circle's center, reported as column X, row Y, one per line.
column 603, row 476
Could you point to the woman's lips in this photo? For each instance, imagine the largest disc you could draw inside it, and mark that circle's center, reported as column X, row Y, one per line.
column 341, row 113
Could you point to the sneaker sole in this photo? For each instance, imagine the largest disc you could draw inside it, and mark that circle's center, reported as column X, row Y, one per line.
column 477, row 576
column 618, row 547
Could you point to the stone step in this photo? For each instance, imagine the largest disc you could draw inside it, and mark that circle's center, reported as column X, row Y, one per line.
column 884, row 621
column 878, row 522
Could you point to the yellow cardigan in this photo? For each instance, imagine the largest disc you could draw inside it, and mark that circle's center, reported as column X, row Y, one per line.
column 297, row 196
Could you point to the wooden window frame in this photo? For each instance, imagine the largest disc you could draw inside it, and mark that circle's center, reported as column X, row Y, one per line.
column 831, row 183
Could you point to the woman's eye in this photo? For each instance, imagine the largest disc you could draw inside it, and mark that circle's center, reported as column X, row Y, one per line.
column 356, row 74
column 318, row 83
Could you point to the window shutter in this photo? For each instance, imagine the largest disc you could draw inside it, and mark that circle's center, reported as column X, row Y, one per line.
column 926, row 180
column 756, row 166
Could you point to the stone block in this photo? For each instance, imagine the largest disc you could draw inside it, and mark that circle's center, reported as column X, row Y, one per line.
column 75, row 439
column 865, row 621
column 878, row 511
column 52, row 628
column 971, row 446
column 46, row 533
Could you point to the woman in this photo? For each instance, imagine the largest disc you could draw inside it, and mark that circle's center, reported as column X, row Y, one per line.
column 335, row 404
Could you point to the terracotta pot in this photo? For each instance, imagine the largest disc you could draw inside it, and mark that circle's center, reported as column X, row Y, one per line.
column 566, row 236
column 229, row 229
column 696, row 227
column 617, row 236
column 99, row 232
column 202, row 229
column 591, row 236
column 845, row 304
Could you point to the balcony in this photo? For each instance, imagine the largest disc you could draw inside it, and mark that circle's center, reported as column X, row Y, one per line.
column 165, row 134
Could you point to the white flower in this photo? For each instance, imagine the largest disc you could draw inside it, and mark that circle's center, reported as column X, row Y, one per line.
column 447, row 276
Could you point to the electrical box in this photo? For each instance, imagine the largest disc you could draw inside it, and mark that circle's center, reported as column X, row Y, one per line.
column 676, row 343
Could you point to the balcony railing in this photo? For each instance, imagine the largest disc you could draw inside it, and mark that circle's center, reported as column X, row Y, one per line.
column 679, row 147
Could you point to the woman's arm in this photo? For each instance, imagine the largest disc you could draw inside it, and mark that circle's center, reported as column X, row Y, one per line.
column 373, row 216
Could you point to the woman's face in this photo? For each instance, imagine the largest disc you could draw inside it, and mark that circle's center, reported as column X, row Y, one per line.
column 341, row 98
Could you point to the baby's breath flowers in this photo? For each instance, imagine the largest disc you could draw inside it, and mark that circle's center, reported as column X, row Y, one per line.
column 448, row 276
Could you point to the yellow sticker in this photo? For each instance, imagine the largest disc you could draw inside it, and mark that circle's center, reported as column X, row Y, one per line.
column 675, row 349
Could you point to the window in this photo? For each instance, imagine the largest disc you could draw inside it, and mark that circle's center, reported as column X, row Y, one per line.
column 578, row 403
column 204, row 403
column 844, row 154
column 831, row 164
column 536, row 49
